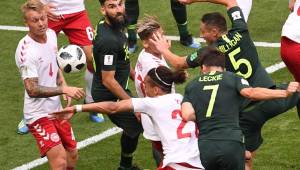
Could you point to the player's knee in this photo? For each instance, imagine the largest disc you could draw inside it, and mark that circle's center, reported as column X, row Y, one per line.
column 59, row 162
column 73, row 155
column 248, row 156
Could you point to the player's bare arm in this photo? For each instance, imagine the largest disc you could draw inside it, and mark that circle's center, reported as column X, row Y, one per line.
column 291, row 5
column 50, row 14
column 37, row 91
column 259, row 93
column 109, row 81
column 188, row 112
column 162, row 45
column 62, row 82
column 101, row 107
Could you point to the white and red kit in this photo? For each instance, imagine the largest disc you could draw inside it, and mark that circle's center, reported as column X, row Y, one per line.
column 66, row 6
column 290, row 42
column 179, row 138
column 38, row 60
column 145, row 62
column 75, row 23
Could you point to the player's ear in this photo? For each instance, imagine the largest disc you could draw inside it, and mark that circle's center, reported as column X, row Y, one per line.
column 155, row 90
column 102, row 10
column 215, row 31
column 145, row 43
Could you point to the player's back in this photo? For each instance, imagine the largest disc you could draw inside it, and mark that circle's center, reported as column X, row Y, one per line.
column 241, row 54
column 179, row 138
column 145, row 62
column 216, row 100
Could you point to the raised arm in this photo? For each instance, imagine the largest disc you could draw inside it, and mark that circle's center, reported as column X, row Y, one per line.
column 162, row 45
column 259, row 93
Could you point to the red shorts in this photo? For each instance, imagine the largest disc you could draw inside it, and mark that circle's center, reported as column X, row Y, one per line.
column 49, row 133
column 76, row 26
column 290, row 54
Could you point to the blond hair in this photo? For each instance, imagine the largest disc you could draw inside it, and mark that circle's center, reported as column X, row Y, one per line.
column 147, row 26
column 34, row 5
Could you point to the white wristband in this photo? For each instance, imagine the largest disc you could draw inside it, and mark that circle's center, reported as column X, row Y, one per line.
column 78, row 108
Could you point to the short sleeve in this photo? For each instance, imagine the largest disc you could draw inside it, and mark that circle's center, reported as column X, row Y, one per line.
column 27, row 66
column 105, row 55
column 241, row 83
column 191, row 60
column 144, row 105
column 237, row 19
column 187, row 97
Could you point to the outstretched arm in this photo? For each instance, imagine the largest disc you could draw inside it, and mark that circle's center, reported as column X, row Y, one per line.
column 100, row 107
column 259, row 93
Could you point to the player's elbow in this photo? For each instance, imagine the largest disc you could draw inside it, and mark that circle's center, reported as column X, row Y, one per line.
column 113, row 108
column 249, row 93
column 107, row 82
column 32, row 93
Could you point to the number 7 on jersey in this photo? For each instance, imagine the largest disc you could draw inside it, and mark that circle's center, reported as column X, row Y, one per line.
column 212, row 100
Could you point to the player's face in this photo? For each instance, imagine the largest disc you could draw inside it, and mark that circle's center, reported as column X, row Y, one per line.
column 150, row 46
column 37, row 22
column 149, row 88
column 114, row 11
column 208, row 33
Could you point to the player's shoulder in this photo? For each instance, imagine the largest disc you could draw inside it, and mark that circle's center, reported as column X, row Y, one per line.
column 25, row 45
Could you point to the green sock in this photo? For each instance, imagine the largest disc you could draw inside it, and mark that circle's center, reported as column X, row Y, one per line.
column 131, row 30
column 183, row 29
column 126, row 160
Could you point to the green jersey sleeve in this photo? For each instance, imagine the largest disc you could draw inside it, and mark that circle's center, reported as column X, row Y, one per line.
column 241, row 83
column 237, row 19
column 187, row 97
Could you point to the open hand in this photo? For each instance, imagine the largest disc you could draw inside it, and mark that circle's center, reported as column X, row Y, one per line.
column 65, row 114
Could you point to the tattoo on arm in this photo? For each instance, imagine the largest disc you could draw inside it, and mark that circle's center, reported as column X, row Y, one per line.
column 37, row 91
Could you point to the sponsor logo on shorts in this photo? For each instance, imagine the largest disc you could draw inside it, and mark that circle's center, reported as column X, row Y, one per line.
column 54, row 137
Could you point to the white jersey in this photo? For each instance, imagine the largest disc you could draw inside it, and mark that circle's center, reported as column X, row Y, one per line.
column 66, row 6
column 144, row 64
column 179, row 138
column 291, row 28
column 38, row 60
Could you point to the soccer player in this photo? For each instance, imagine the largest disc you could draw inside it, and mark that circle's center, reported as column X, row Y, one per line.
column 43, row 81
column 290, row 40
column 242, row 59
column 148, row 58
column 179, row 13
column 71, row 17
column 110, row 80
column 206, row 101
column 178, row 137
